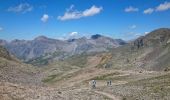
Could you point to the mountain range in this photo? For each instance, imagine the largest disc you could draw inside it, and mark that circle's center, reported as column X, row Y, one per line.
column 150, row 51
column 40, row 46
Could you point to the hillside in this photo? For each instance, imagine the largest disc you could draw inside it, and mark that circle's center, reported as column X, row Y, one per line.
column 4, row 53
column 14, row 71
column 155, row 47
column 138, row 70
column 150, row 52
column 19, row 81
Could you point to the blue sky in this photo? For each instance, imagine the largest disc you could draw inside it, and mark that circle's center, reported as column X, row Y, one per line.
column 126, row 19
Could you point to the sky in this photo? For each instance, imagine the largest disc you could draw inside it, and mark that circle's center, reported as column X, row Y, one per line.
column 62, row 19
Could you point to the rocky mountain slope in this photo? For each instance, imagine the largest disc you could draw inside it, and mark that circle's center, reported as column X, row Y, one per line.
column 151, row 52
column 4, row 53
column 42, row 45
column 14, row 71
column 156, row 48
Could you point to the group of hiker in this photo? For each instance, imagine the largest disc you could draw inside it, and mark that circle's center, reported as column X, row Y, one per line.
column 93, row 83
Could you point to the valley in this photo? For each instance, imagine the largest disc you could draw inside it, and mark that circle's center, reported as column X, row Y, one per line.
column 138, row 70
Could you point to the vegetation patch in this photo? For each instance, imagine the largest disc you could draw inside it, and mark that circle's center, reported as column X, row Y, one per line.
column 78, row 60
column 151, row 86
column 50, row 78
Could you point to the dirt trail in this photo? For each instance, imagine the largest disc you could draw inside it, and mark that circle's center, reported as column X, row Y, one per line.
column 89, row 73
column 107, row 95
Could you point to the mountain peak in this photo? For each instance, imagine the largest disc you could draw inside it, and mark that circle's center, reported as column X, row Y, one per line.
column 71, row 40
column 160, row 31
column 41, row 38
column 155, row 38
column 96, row 36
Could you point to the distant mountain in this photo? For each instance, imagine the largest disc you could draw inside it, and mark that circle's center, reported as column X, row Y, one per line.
column 96, row 36
column 40, row 46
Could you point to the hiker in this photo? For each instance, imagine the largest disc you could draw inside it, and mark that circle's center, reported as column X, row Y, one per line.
column 93, row 84
column 109, row 83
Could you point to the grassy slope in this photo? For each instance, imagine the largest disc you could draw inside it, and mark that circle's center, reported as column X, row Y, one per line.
column 148, row 89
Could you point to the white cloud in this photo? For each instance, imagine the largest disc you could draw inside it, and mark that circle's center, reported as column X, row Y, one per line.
column 137, row 34
column 75, row 14
column 44, row 18
column 23, row 8
column 146, row 33
column 73, row 33
column 1, row 28
column 133, row 27
column 131, row 9
column 163, row 7
column 148, row 11
column 92, row 11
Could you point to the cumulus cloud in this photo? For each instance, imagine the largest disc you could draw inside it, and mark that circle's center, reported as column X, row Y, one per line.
column 163, row 7
column 44, row 18
column 75, row 14
column 23, row 8
column 1, row 28
column 92, row 11
column 131, row 9
column 73, row 33
column 132, row 26
column 148, row 11
column 146, row 33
